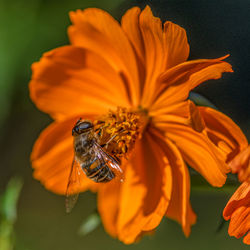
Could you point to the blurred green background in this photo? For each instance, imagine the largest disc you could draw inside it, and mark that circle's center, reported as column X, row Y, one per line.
column 30, row 27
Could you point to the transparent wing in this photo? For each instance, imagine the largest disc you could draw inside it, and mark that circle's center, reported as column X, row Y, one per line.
column 73, row 186
column 110, row 161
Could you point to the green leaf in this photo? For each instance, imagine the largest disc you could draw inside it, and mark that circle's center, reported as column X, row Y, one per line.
column 10, row 198
column 8, row 213
column 200, row 100
column 89, row 224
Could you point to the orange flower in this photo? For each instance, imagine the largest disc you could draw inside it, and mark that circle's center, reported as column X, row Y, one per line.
column 141, row 67
column 238, row 207
column 234, row 149
column 238, row 211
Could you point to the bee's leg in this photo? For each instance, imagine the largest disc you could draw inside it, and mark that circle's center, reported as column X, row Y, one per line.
column 99, row 133
column 112, row 138
column 99, row 130
column 117, row 159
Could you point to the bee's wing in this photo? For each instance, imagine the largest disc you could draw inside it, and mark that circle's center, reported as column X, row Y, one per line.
column 109, row 161
column 73, row 186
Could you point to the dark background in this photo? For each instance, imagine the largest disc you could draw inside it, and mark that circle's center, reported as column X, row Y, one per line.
column 29, row 28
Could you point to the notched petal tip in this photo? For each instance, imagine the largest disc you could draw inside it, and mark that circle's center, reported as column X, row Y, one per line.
column 147, row 9
column 176, row 44
column 80, row 14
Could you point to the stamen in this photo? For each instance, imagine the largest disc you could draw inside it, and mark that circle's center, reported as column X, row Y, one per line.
column 119, row 130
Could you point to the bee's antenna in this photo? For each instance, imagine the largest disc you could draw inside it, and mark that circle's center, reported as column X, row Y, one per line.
column 79, row 120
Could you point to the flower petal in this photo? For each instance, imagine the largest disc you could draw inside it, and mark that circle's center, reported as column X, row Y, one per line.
column 152, row 34
column 130, row 24
column 108, row 205
column 198, row 151
column 196, row 120
column 147, row 186
column 177, row 113
column 69, row 80
column 176, row 47
column 161, row 189
column 97, row 31
column 179, row 208
column 246, row 239
column 241, row 197
column 241, row 165
column 117, row 211
column 52, row 158
column 238, row 211
column 240, row 222
column 223, row 132
column 157, row 49
column 176, row 83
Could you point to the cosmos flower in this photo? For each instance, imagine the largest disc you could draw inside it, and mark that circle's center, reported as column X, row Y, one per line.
column 233, row 145
column 133, row 76
column 230, row 140
column 237, row 211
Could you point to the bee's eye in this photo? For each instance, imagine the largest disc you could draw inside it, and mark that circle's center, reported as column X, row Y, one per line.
column 81, row 127
column 75, row 130
column 85, row 125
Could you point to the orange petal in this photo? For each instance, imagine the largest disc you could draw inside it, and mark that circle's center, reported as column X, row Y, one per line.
column 176, row 47
column 196, row 121
column 52, row 157
column 157, row 49
column 223, row 132
column 177, row 113
column 241, row 165
column 241, row 197
column 246, row 239
column 152, row 34
column 195, row 147
column 179, row 208
column 130, row 24
column 240, row 222
column 97, row 31
column 159, row 181
column 147, row 186
column 177, row 82
column 69, row 81
column 108, row 205
column 238, row 211
column 198, row 151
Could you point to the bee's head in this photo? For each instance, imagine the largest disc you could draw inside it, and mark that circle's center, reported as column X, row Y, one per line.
column 81, row 127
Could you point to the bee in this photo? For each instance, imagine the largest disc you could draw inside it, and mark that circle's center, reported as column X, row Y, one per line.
column 90, row 158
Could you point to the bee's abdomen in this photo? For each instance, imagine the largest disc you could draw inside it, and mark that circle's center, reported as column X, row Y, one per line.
column 98, row 172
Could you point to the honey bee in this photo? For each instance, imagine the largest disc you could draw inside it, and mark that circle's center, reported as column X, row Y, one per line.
column 89, row 157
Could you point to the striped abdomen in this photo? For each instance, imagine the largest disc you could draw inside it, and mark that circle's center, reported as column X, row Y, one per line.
column 97, row 171
column 87, row 154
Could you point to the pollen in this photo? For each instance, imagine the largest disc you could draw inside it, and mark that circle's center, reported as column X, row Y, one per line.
column 119, row 130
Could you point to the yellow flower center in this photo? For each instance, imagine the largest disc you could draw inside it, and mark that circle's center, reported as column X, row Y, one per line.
column 120, row 129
